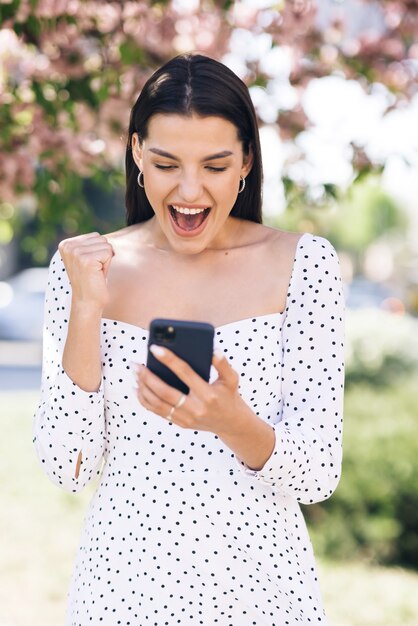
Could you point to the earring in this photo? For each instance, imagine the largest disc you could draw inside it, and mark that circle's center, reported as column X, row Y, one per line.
column 242, row 185
column 139, row 179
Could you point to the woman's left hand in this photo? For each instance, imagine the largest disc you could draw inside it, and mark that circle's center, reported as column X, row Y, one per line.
column 215, row 407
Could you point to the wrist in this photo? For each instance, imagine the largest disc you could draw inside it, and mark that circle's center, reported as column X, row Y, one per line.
column 86, row 310
column 239, row 420
column 251, row 438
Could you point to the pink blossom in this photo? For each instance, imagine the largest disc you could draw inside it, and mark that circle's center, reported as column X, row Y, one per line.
column 50, row 8
column 92, row 59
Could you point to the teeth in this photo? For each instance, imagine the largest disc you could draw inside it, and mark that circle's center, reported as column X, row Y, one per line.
column 186, row 211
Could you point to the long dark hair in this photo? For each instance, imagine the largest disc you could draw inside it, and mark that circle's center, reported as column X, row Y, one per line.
column 195, row 84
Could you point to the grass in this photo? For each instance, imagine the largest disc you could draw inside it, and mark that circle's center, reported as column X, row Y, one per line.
column 40, row 526
column 356, row 594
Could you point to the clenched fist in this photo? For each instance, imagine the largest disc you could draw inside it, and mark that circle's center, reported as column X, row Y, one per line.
column 87, row 259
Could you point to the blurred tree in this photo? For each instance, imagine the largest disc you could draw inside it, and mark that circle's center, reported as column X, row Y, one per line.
column 366, row 214
column 353, row 220
column 71, row 69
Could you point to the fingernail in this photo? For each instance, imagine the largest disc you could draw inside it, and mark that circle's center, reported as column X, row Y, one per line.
column 157, row 350
column 135, row 367
column 218, row 353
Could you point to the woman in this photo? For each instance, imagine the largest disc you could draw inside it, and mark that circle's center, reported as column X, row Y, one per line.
column 195, row 518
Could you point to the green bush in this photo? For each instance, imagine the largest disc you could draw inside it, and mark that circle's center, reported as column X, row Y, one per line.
column 374, row 512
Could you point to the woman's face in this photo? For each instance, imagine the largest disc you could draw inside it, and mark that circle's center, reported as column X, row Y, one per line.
column 191, row 170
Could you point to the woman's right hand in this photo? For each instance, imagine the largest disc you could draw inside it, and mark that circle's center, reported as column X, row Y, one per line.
column 87, row 259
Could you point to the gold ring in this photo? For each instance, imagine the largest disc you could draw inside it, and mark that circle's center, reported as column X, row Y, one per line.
column 180, row 403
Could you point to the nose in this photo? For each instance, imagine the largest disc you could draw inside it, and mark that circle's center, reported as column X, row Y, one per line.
column 190, row 186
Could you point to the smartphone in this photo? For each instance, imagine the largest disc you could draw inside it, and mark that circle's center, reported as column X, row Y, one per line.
column 191, row 341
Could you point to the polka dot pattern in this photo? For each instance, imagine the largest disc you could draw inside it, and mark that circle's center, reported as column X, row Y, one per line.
column 179, row 531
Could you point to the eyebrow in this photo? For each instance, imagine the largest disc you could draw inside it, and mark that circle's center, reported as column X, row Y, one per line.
column 211, row 157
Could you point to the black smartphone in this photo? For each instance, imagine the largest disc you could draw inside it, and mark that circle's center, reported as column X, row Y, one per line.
column 191, row 341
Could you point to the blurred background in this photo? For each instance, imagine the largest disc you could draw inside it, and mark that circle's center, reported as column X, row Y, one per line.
column 334, row 84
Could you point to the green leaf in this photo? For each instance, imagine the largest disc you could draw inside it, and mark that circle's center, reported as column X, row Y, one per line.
column 131, row 53
column 8, row 11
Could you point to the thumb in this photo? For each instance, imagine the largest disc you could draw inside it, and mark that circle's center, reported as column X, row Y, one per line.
column 225, row 371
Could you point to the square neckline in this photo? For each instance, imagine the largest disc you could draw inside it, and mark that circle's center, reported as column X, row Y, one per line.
column 244, row 320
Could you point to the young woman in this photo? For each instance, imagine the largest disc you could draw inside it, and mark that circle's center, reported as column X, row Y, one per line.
column 195, row 519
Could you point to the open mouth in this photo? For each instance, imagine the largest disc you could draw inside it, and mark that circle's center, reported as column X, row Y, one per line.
column 188, row 219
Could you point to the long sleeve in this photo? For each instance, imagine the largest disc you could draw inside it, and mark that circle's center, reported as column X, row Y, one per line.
column 306, row 460
column 68, row 420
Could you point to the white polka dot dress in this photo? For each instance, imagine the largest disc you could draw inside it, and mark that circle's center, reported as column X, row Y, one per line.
column 179, row 531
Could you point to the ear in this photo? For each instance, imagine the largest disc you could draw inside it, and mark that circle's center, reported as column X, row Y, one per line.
column 137, row 150
column 247, row 162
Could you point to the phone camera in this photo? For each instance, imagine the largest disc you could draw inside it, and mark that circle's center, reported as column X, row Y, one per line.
column 165, row 333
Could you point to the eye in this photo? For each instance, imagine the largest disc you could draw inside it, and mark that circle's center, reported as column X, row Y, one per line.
column 164, row 167
column 216, row 169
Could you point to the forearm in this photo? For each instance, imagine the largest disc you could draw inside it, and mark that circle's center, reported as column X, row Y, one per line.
column 81, row 358
column 253, row 442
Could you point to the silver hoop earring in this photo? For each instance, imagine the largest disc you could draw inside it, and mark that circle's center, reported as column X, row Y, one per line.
column 139, row 179
column 242, row 185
